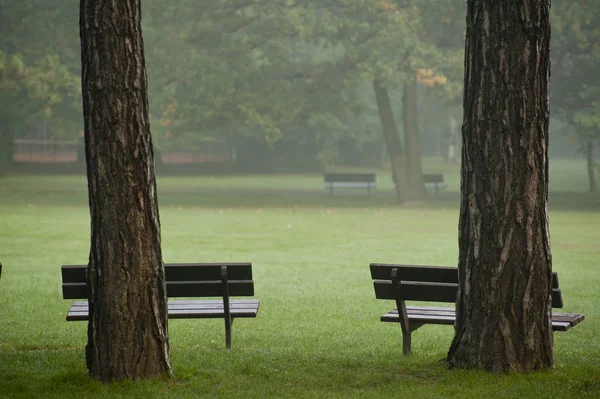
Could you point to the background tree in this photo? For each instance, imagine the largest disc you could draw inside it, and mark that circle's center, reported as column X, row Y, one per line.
column 38, row 72
column 127, row 330
column 505, row 267
column 288, row 83
column 388, row 43
column 576, row 88
column 287, row 78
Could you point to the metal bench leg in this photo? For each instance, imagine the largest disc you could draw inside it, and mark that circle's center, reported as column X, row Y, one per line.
column 402, row 313
column 228, row 323
column 226, row 308
column 406, row 342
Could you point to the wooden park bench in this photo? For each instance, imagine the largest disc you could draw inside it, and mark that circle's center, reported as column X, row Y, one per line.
column 349, row 180
column 434, row 181
column 436, row 284
column 184, row 280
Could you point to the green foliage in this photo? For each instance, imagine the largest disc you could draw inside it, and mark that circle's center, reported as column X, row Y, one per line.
column 11, row 72
column 279, row 74
column 576, row 52
column 267, row 71
column 48, row 80
column 279, row 70
column 40, row 40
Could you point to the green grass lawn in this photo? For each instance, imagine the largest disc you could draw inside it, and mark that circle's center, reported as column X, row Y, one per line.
column 566, row 175
column 318, row 332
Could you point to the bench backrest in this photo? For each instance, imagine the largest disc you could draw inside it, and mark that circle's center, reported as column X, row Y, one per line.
column 433, row 178
column 183, row 280
column 428, row 283
column 349, row 177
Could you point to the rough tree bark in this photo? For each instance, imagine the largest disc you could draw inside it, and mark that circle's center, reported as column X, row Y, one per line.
column 412, row 140
column 393, row 142
column 505, row 266
column 127, row 330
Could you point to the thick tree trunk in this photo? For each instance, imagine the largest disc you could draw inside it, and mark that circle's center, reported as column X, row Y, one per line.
column 127, row 330
column 394, row 145
column 412, row 140
column 589, row 154
column 505, row 266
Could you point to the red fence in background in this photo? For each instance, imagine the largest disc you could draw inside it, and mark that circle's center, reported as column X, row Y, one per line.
column 179, row 158
column 27, row 151
column 45, row 151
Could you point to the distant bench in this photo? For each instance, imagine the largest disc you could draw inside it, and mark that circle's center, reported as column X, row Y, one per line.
column 434, row 181
column 190, row 280
column 436, row 284
column 349, row 180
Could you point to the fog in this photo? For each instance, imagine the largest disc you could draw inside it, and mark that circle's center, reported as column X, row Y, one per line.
column 280, row 86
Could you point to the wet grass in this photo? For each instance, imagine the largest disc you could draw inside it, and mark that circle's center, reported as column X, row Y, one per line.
column 318, row 332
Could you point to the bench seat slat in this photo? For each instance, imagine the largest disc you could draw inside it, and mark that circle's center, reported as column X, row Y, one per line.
column 561, row 326
column 429, row 319
column 447, row 316
column 571, row 318
column 188, row 310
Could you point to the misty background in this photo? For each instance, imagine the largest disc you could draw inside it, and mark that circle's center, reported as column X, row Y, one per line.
column 281, row 86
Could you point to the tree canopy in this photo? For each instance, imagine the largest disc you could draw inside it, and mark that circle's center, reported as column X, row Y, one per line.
column 291, row 77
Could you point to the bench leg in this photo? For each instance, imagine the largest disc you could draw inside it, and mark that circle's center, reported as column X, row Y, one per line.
column 402, row 313
column 228, row 323
column 226, row 306
column 406, row 342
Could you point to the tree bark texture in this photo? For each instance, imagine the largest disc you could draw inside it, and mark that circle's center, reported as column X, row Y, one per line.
column 127, row 330
column 412, row 140
column 505, row 266
column 393, row 142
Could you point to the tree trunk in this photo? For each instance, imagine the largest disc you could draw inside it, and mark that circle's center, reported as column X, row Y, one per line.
column 505, row 267
column 413, row 142
column 394, row 145
column 127, row 330
column 589, row 153
column 6, row 149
